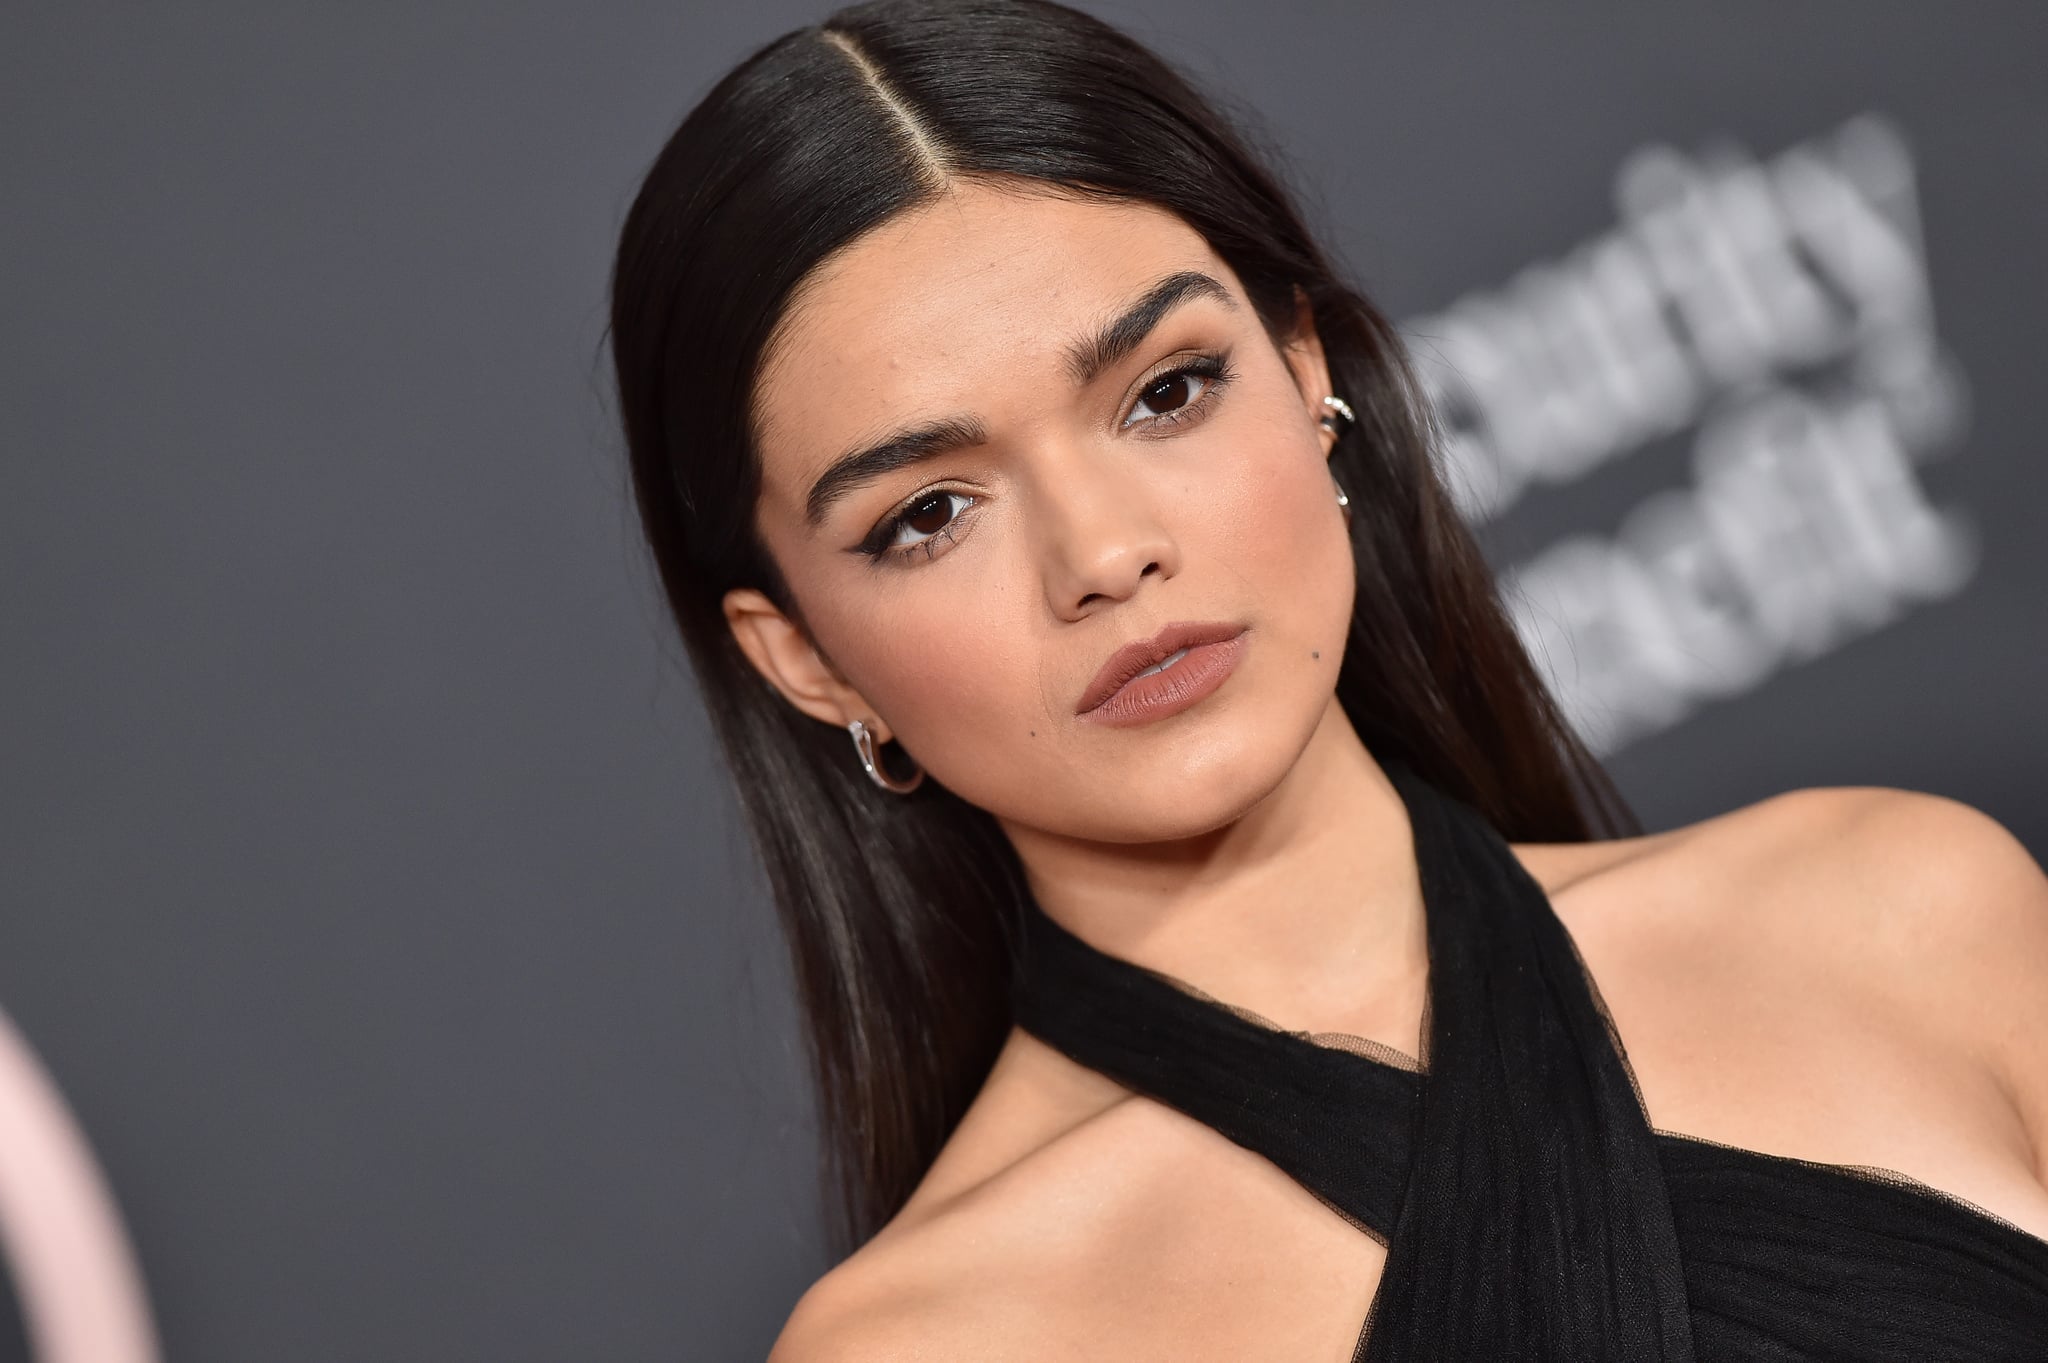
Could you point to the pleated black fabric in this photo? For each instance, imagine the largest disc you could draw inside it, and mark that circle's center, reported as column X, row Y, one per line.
column 1528, row 1210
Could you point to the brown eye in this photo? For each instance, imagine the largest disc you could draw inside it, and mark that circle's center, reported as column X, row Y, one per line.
column 922, row 523
column 1179, row 394
column 1173, row 391
column 928, row 515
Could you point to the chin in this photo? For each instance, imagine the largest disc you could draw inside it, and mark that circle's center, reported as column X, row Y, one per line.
column 1190, row 792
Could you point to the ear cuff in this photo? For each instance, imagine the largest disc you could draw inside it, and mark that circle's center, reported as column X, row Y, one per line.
column 1339, row 419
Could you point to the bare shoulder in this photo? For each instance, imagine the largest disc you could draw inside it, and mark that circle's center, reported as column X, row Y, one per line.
column 867, row 1309
column 840, row 1318
column 1927, row 906
column 943, row 1282
column 1067, row 1218
column 1894, row 851
column 1915, row 896
column 951, row 1275
column 1939, row 843
column 1893, row 938
column 1896, row 880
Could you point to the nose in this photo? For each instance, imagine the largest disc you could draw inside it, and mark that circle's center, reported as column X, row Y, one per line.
column 1102, row 537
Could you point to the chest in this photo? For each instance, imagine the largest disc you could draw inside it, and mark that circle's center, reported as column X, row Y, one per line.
column 1217, row 1254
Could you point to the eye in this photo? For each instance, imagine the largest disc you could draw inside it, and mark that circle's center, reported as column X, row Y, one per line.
column 919, row 526
column 1180, row 393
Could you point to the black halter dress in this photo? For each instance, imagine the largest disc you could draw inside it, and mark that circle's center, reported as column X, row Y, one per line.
column 1528, row 1208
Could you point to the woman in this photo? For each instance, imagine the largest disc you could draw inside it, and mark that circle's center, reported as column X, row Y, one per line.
column 1134, row 741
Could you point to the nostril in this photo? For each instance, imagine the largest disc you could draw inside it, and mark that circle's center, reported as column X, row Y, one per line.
column 1150, row 569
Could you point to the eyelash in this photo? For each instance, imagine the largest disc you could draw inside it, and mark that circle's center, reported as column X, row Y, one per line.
column 1213, row 369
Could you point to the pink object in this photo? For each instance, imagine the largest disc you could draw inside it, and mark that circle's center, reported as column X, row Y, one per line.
column 82, row 1299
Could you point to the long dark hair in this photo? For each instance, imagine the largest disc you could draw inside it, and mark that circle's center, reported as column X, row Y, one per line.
column 899, row 912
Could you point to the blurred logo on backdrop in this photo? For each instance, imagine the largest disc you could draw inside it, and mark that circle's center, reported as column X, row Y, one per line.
column 1773, row 318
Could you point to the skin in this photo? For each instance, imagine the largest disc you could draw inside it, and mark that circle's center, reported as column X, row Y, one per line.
column 1849, row 976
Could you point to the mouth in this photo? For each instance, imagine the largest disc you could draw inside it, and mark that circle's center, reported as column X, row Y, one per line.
column 1163, row 675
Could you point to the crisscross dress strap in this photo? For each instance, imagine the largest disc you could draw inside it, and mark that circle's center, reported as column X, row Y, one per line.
column 1337, row 1123
column 1516, row 1183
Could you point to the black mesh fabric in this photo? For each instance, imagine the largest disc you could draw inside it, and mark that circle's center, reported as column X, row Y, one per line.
column 1528, row 1209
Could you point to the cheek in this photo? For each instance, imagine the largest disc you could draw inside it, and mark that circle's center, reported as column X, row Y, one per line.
column 1276, row 524
column 954, row 674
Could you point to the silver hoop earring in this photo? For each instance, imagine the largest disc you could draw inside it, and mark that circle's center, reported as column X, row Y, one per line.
column 871, row 762
column 1339, row 419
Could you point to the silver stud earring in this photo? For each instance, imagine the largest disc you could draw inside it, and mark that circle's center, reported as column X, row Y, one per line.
column 1339, row 419
column 871, row 762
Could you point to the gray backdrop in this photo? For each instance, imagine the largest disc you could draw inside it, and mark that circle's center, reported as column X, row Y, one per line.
column 367, row 882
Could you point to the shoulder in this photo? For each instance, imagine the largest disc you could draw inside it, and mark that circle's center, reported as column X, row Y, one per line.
column 856, row 1313
column 1111, row 1228
column 1012, row 1264
column 1897, row 880
column 953, row 1273
column 1932, row 907
column 990, row 1256
column 1917, row 895
column 1883, row 847
column 1903, row 850
column 1911, row 914
column 928, row 1286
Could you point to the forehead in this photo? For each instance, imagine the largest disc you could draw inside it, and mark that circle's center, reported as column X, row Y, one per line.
column 937, row 309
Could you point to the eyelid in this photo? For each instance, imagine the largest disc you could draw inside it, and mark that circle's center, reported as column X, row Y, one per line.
column 1172, row 364
column 877, row 545
column 1211, row 366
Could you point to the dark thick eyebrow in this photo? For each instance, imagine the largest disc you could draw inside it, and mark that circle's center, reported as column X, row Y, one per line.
column 884, row 457
column 1086, row 359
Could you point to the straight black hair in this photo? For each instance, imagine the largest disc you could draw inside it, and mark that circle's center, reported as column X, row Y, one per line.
column 900, row 913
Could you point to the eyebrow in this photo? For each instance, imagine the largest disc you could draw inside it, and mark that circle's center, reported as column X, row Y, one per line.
column 1086, row 359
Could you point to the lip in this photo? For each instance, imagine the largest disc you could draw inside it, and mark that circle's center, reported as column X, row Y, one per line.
column 1118, row 695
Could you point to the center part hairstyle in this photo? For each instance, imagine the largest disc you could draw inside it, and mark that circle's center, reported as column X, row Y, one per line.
column 901, row 913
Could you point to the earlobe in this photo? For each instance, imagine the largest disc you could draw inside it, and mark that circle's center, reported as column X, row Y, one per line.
column 781, row 652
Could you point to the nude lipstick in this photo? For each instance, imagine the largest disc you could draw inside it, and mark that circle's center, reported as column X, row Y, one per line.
column 1163, row 675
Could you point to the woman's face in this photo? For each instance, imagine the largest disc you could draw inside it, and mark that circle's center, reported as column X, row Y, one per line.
column 1007, row 434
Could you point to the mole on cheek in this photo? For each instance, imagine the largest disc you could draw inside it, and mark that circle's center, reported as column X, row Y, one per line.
column 1316, row 653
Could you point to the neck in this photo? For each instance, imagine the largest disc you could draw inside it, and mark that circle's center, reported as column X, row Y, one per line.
column 1305, row 909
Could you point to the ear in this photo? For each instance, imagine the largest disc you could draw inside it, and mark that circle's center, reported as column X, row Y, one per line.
column 780, row 651
column 1303, row 351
